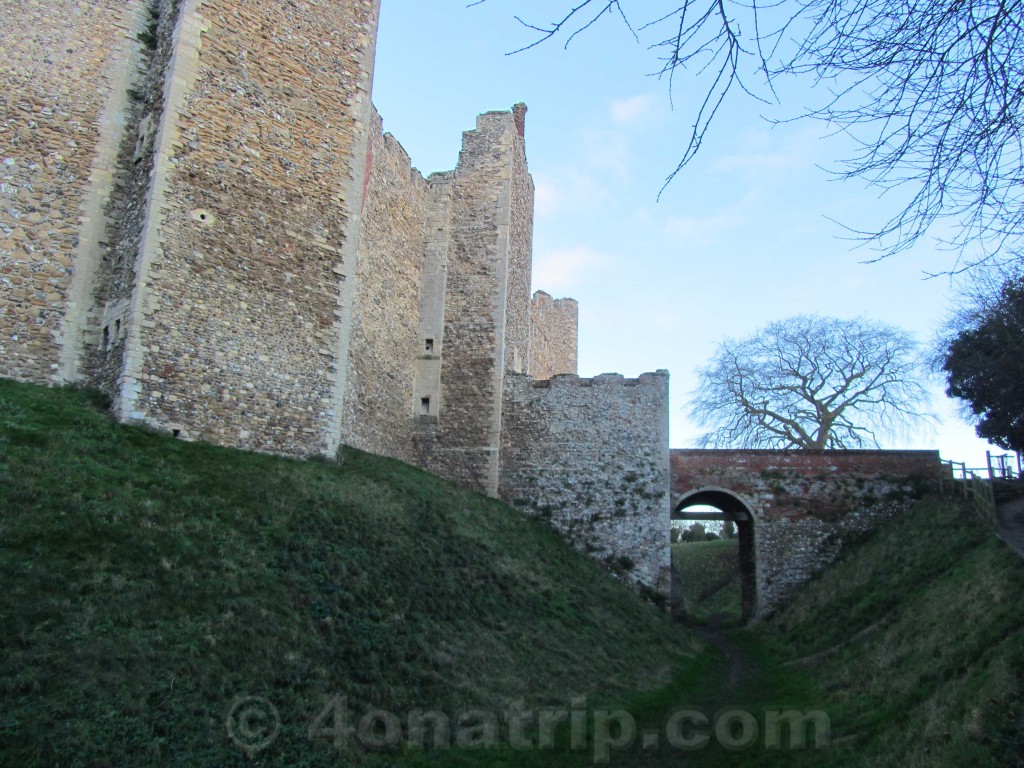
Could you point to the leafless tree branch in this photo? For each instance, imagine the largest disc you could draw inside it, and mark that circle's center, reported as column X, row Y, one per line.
column 811, row 382
column 931, row 93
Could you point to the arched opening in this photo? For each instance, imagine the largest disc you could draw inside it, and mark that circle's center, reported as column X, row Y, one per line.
column 718, row 506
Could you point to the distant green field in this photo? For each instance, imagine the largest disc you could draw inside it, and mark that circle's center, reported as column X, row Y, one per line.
column 710, row 575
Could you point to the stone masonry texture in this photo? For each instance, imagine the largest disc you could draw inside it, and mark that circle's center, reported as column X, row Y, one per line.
column 591, row 457
column 385, row 322
column 111, row 280
column 236, row 333
column 485, row 326
column 201, row 215
column 553, row 336
column 64, row 72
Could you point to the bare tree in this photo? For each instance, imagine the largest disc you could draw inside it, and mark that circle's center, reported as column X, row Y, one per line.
column 930, row 91
column 811, row 382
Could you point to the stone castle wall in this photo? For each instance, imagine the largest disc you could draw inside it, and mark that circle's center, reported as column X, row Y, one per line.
column 201, row 215
column 386, row 321
column 66, row 77
column 125, row 210
column 430, row 343
column 553, row 338
column 489, row 208
column 520, row 252
column 591, row 457
column 239, row 320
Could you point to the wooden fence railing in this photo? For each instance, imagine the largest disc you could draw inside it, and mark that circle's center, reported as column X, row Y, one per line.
column 977, row 483
column 1006, row 466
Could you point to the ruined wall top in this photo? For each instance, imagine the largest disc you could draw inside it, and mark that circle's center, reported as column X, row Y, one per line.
column 564, row 381
column 553, row 336
column 519, row 115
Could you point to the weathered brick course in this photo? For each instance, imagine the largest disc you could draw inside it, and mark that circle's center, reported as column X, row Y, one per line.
column 806, row 505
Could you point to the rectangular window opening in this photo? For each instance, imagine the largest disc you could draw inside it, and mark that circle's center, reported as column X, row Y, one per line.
column 430, row 345
column 424, row 406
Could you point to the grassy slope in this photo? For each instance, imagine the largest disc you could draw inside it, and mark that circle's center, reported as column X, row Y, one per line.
column 148, row 582
column 912, row 645
column 917, row 642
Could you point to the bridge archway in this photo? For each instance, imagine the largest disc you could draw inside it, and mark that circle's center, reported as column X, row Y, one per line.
column 725, row 505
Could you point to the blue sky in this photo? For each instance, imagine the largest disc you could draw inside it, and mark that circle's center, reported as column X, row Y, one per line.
column 742, row 237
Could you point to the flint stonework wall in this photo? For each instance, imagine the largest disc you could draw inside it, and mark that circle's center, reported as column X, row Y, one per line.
column 520, row 253
column 127, row 204
column 484, row 209
column 591, row 457
column 437, row 232
column 791, row 551
column 553, row 336
column 66, row 68
column 386, row 321
column 243, row 297
column 808, row 505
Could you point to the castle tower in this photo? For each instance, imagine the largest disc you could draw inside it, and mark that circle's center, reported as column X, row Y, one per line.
column 481, row 250
column 69, row 73
column 212, row 210
column 240, row 315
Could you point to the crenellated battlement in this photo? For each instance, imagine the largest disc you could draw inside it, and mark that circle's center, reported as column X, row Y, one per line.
column 591, row 456
column 209, row 222
column 557, row 381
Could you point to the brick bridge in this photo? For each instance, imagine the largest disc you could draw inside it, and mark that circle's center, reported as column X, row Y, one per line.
column 794, row 510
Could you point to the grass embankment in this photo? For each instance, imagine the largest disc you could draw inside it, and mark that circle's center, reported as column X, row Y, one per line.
column 709, row 572
column 912, row 647
column 148, row 583
column 916, row 640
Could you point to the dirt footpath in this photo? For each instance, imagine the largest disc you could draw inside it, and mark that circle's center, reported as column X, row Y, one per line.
column 1010, row 515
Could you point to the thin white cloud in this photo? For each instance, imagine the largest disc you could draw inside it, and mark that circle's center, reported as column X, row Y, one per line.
column 704, row 229
column 562, row 269
column 738, row 218
column 761, row 150
column 608, row 151
column 548, row 197
column 634, row 109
